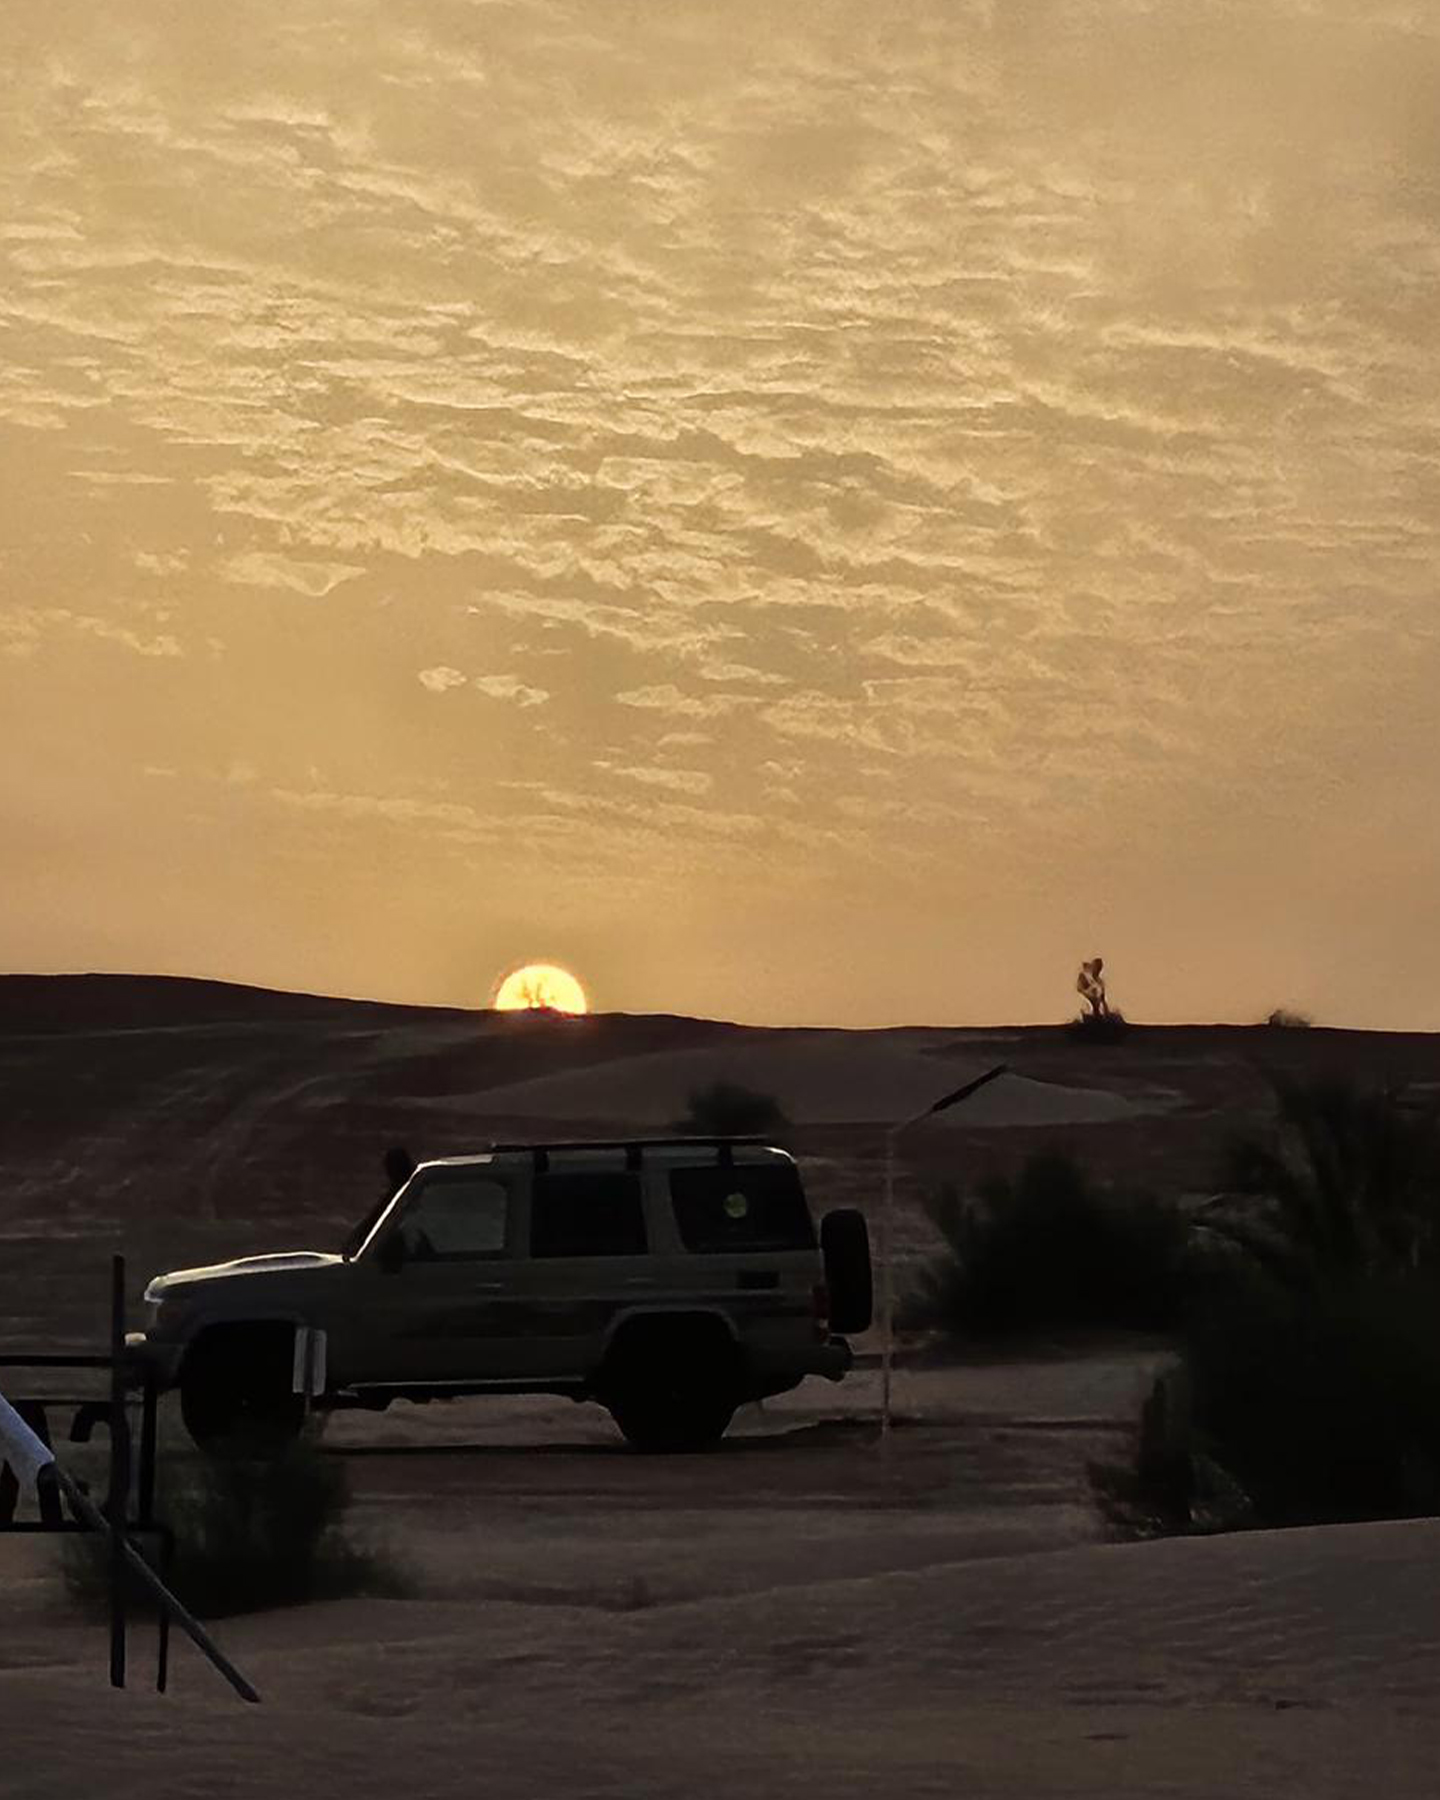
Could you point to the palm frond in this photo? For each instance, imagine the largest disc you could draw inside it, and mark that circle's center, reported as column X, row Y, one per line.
column 1349, row 1177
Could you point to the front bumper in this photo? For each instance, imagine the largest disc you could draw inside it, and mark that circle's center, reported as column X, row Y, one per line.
column 159, row 1361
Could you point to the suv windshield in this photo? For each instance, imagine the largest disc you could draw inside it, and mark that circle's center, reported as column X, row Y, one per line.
column 746, row 1207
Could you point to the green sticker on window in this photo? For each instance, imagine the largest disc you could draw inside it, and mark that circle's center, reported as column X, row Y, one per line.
column 736, row 1206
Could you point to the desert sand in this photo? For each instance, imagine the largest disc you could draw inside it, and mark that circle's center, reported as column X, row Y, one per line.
column 801, row 1612
column 790, row 1615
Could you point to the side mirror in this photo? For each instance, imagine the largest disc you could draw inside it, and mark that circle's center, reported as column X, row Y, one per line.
column 391, row 1252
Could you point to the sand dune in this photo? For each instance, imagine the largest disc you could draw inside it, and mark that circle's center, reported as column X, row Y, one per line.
column 820, row 1078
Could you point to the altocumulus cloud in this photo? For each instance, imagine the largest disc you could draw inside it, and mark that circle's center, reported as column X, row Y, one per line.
column 443, row 679
column 1022, row 418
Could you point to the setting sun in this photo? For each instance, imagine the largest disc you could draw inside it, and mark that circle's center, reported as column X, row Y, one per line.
column 541, row 987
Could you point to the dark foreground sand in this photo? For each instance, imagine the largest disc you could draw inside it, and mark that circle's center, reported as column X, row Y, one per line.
column 794, row 1615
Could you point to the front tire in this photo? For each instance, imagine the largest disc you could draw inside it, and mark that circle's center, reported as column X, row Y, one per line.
column 235, row 1395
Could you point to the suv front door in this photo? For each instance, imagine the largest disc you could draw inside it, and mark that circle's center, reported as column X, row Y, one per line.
column 440, row 1303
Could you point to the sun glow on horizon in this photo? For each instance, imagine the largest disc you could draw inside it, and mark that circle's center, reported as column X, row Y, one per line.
column 541, row 987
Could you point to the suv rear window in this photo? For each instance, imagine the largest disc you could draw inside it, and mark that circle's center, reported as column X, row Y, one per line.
column 755, row 1206
column 595, row 1213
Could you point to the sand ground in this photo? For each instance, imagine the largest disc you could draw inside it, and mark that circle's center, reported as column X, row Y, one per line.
column 798, row 1613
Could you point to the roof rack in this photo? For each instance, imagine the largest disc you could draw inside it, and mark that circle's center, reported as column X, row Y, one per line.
column 634, row 1148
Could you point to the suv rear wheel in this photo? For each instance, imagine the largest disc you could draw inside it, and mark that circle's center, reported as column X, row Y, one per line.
column 672, row 1385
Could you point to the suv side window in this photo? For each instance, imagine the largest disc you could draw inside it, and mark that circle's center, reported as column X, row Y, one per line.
column 589, row 1213
column 457, row 1219
column 749, row 1207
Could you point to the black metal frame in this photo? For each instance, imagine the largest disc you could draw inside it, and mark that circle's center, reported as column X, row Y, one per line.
column 113, row 1412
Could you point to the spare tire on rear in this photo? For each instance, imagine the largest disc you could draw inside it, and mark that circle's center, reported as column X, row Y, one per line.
column 845, row 1245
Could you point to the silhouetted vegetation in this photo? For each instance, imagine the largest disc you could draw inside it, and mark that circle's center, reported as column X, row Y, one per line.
column 1099, row 1028
column 1345, row 1186
column 1283, row 1019
column 1292, row 1408
column 1099, row 1022
column 1051, row 1249
column 728, row 1109
column 252, row 1533
column 1307, row 1387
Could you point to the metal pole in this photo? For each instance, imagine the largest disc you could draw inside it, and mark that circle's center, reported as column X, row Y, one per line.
column 162, row 1647
column 119, row 1496
column 887, row 1287
column 887, row 1235
column 149, row 1432
column 145, row 1511
column 88, row 1513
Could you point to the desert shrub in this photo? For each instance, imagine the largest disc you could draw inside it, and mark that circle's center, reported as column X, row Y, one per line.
column 1308, row 1383
column 728, row 1109
column 252, row 1533
column 1344, row 1185
column 1099, row 1028
column 1283, row 1019
column 1168, row 1484
column 1291, row 1407
column 1050, row 1249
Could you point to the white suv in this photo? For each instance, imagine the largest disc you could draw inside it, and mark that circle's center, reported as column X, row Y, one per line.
column 670, row 1279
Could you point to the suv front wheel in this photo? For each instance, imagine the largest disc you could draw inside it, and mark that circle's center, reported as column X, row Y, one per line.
column 235, row 1390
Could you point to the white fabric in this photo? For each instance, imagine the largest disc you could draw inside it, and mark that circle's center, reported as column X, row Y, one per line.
column 19, row 1446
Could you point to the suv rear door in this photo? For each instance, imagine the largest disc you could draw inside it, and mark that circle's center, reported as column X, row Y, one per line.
column 747, row 1245
column 586, row 1258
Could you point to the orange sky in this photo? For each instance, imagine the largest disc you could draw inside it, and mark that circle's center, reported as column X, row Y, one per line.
column 810, row 513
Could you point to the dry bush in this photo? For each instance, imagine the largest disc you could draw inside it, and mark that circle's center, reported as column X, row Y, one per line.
column 1291, row 1408
column 1095, row 1029
column 1308, row 1384
column 251, row 1533
column 1051, row 1249
column 729, row 1109
column 1345, row 1184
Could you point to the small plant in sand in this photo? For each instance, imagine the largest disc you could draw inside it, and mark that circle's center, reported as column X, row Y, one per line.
column 1099, row 1022
column 251, row 1533
column 729, row 1109
column 1091, row 1029
column 1047, row 1250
